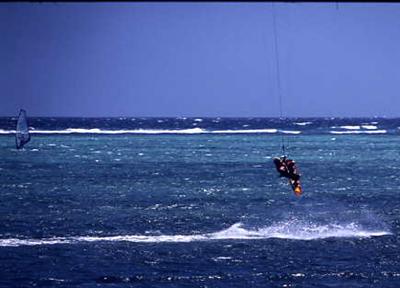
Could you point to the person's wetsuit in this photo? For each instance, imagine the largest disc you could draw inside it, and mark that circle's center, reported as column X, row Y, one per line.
column 287, row 168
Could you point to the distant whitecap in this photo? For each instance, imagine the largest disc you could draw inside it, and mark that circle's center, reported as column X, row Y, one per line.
column 369, row 127
column 245, row 131
column 7, row 131
column 359, row 132
column 349, row 127
column 289, row 132
column 302, row 123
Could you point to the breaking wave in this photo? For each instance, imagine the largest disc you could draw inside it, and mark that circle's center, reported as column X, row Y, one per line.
column 152, row 131
column 349, row 127
column 359, row 132
column 370, row 127
column 295, row 230
column 244, row 131
column 302, row 123
column 289, row 132
column 357, row 127
column 100, row 131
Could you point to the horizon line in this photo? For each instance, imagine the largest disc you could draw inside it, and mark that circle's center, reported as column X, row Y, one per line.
column 211, row 117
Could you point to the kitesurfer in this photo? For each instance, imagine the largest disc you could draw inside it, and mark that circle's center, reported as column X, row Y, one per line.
column 287, row 168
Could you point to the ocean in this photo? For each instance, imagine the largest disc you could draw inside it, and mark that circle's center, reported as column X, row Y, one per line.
column 197, row 202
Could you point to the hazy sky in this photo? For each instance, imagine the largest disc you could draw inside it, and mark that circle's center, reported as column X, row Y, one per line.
column 199, row 59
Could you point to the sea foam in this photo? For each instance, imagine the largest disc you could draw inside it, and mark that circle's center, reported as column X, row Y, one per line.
column 295, row 230
column 349, row 127
column 101, row 131
column 370, row 127
column 153, row 131
column 359, row 132
column 302, row 123
column 289, row 132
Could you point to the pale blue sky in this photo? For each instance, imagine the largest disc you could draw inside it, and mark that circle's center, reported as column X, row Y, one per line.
column 199, row 59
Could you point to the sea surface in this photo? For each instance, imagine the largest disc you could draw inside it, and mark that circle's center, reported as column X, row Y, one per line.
column 197, row 202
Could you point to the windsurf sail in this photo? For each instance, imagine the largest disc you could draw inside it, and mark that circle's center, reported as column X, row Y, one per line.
column 22, row 135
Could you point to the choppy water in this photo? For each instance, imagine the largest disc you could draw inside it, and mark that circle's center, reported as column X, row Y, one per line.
column 197, row 203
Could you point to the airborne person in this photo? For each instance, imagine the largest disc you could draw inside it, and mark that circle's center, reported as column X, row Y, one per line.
column 287, row 168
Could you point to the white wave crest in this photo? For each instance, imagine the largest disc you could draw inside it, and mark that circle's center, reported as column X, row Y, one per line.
column 359, row 132
column 369, row 127
column 289, row 132
column 370, row 130
column 295, row 230
column 7, row 131
column 150, row 131
column 299, row 230
column 244, row 131
column 100, row 131
column 356, row 127
column 349, row 127
column 302, row 123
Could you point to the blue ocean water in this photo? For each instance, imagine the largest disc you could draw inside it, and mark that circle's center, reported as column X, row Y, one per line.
column 196, row 202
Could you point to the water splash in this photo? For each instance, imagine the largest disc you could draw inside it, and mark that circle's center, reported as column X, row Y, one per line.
column 292, row 229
